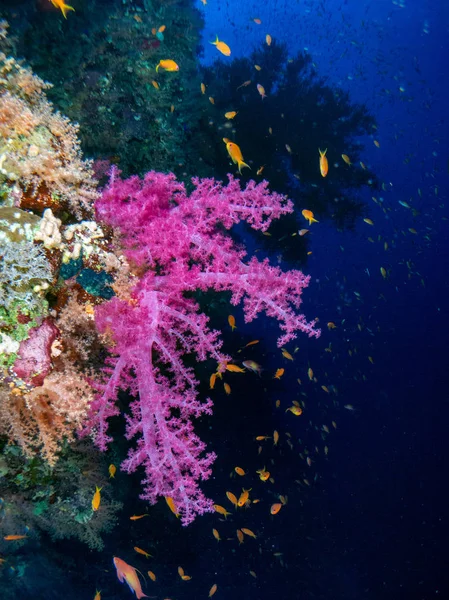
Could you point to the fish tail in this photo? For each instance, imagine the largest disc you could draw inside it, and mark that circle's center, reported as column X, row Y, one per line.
column 216, row 41
column 243, row 164
column 157, row 68
column 65, row 8
column 322, row 153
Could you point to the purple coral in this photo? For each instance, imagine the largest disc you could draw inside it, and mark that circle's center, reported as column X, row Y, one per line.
column 179, row 243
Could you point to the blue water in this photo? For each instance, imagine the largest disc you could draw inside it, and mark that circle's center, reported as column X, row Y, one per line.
column 371, row 520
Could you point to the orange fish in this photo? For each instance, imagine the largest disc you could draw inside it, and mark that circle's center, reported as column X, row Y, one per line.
column 240, row 471
column 64, row 7
column 247, row 531
column 151, row 575
column 240, row 536
column 216, row 535
column 137, row 517
column 243, row 499
column 14, row 538
column 155, row 84
column 222, row 47
column 128, row 573
column 279, row 373
column 97, row 595
column 235, row 153
column 230, row 114
column 347, row 160
column 261, row 90
column 212, row 590
column 221, row 510
column 244, row 84
column 161, row 28
column 324, row 165
column 167, row 65
column 296, row 410
column 96, row 498
column 203, row 88
column 268, row 39
column 212, row 380
column 232, row 498
column 143, row 552
column 234, row 368
column 112, row 471
column 172, row 506
column 308, row 215
column 231, row 321
column 227, row 388
column 310, row 373
column 286, row 354
column 264, row 475
column 257, row 21
column 275, row 437
column 275, row 508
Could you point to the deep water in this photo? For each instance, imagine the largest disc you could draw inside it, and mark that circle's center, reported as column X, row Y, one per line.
column 368, row 519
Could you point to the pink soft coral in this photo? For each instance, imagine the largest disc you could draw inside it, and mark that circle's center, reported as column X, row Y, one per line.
column 179, row 243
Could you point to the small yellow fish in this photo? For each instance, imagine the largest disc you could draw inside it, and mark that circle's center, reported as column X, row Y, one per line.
column 275, row 508
column 137, row 517
column 310, row 373
column 161, row 28
column 167, row 65
column 230, row 114
column 151, row 575
column 383, row 272
column 96, row 498
column 261, row 90
column 143, row 552
column 240, row 471
column 212, row 590
column 216, row 535
column 221, row 510
column 287, row 354
column 347, row 160
column 240, row 536
column 368, row 221
column 235, row 153
column 211, row 100
column 243, row 498
column 324, row 165
column 376, row 143
column 260, row 170
column 222, row 47
column 247, row 531
column 279, row 373
column 14, row 538
column 296, row 410
column 308, row 215
column 232, row 498
column 268, row 39
column 231, row 321
column 212, row 380
column 203, row 88
column 258, row 67
column 227, row 388
column 112, row 471
column 172, row 506
column 155, row 84
column 234, row 368
column 97, row 595
column 257, row 21
column 331, row 325
column 275, row 437
column 64, row 7
column 264, row 475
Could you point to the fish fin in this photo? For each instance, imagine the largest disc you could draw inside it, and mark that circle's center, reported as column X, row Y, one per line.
column 157, row 68
column 216, row 41
column 243, row 164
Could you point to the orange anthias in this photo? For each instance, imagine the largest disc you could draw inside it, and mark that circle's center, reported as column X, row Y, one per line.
column 64, row 7
column 128, row 573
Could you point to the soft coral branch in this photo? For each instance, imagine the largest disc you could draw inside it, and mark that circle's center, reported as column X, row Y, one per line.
column 177, row 242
